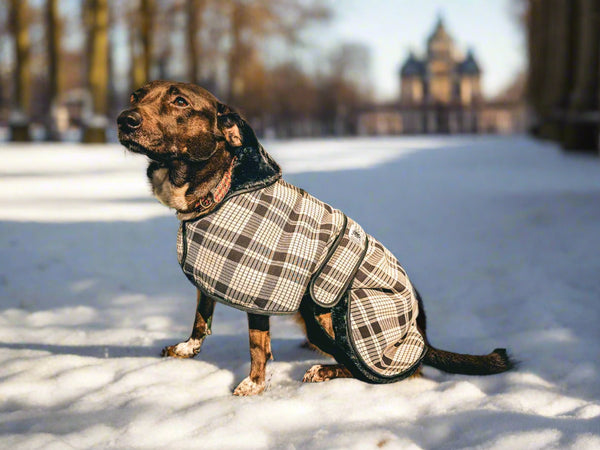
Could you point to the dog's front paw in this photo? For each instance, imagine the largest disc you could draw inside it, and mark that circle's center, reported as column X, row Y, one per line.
column 249, row 387
column 187, row 349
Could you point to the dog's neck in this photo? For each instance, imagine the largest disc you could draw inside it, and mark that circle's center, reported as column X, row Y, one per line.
column 215, row 196
column 192, row 189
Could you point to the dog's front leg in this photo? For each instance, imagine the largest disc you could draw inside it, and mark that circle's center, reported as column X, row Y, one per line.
column 204, row 310
column 260, row 353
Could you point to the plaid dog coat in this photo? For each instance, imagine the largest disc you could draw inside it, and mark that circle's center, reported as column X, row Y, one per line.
column 274, row 249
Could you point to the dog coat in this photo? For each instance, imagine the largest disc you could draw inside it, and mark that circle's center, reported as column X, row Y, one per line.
column 267, row 249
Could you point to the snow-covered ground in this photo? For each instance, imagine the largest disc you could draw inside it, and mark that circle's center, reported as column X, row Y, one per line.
column 501, row 236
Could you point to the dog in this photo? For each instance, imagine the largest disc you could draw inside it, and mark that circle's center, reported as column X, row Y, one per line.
column 250, row 240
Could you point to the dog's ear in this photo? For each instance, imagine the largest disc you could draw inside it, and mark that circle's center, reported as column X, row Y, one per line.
column 238, row 133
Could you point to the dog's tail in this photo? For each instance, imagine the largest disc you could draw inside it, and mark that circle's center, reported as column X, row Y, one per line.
column 496, row 362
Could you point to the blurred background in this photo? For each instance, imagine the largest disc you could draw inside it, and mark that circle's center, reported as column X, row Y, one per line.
column 308, row 67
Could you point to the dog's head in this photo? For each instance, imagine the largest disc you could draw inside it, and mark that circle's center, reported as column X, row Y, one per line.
column 170, row 121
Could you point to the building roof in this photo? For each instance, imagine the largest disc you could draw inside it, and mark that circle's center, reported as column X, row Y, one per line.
column 439, row 33
column 412, row 66
column 469, row 65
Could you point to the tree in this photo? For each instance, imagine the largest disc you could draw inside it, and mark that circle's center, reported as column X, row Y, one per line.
column 22, row 75
column 98, row 72
column 194, row 11
column 54, row 57
column 345, row 88
column 143, row 44
column 293, row 103
column 252, row 23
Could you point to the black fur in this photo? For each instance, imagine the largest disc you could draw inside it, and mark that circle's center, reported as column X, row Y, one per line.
column 258, row 322
column 228, row 117
column 253, row 169
column 495, row 362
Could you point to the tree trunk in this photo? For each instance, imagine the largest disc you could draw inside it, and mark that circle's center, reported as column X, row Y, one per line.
column 54, row 69
column 235, row 59
column 19, row 123
column 142, row 61
column 194, row 9
column 98, row 73
column 582, row 132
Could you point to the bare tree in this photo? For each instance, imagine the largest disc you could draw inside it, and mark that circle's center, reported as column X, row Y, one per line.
column 194, row 12
column 293, row 103
column 346, row 88
column 213, row 36
column 5, row 70
column 98, row 73
column 143, row 43
column 22, row 74
column 53, row 27
column 251, row 23
column 223, row 44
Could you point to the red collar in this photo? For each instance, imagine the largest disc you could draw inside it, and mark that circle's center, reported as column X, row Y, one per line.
column 217, row 194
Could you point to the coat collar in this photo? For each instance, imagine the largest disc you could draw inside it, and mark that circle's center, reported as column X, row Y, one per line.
column 254, row 169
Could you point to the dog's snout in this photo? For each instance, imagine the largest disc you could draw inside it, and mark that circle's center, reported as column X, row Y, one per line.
column 129, row 120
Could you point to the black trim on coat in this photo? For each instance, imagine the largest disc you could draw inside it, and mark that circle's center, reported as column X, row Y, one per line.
column 253, row 169
column 334, row 246
column 341, row 347
column 351, row 276
column 341, row 318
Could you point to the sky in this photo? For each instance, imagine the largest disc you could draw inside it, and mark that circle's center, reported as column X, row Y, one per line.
column 391, row 28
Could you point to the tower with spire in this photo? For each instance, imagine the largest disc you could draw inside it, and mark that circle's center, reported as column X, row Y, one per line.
column 440, row 92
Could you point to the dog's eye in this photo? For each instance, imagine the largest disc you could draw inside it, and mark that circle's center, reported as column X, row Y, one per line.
column 133, row 98
column 180, row 101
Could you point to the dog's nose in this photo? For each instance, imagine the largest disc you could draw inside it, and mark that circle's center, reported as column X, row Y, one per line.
column 129, row 120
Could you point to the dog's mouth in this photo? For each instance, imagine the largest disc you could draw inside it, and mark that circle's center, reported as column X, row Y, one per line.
column 136, row 147
column 157, row 149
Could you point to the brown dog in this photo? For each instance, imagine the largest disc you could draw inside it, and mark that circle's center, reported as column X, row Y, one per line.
column 192, row 140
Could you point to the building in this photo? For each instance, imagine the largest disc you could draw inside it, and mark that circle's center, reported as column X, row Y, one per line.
column 441, row 93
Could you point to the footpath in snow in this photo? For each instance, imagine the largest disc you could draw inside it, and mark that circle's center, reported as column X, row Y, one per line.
column 500, row 235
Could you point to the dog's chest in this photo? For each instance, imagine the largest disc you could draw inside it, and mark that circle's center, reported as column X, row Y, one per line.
column 166, row 193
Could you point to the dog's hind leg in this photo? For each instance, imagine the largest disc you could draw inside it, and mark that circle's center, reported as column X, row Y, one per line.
column 260, row 353
column 324, row 372
column 325, row 321
column 204, row 310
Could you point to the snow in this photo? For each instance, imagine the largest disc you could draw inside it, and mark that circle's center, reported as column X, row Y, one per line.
column 500, row 235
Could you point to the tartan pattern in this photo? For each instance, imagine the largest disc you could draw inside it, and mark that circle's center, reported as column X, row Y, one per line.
column 180, row 243
column 382, row 313
column 259, row 250
column 381, row 270
column 327, row 287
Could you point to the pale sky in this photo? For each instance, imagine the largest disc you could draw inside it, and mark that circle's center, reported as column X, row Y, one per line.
column 392, row 28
